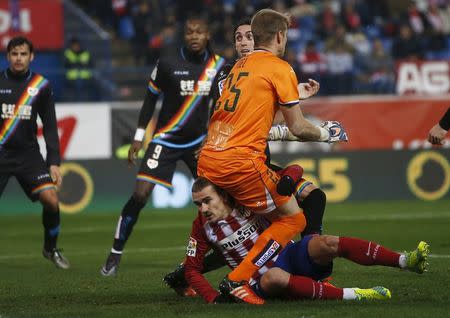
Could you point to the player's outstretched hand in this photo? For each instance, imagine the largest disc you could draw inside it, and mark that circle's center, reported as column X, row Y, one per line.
column 133, row 152
column 306, row 90
column 336, row 130
column 436, row 135
column 55, row 174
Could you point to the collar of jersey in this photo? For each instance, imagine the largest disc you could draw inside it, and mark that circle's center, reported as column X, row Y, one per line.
column 188, row 56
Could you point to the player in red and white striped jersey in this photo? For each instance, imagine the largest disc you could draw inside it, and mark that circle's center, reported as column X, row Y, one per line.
column 293, row 272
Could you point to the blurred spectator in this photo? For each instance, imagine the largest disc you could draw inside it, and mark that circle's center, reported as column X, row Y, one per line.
column 444, row 12
column 359, row 42
column 415, row 18
column 312, row 64
column 375, row 71
column 301, row 8
column 338, row 38
column 79, row 81
column 350, row 17
column 163, row 40
column 327, row 20
column 142, row 29
column 406, row 45
column 340, row 67
column 291, row 58
column 123, row 22
column 435, row 30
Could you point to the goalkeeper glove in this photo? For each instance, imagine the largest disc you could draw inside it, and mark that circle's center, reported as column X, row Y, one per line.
column 281, row 132
column 336, row 130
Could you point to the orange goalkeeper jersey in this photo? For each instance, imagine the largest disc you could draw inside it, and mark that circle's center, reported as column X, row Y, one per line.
column 250, row 97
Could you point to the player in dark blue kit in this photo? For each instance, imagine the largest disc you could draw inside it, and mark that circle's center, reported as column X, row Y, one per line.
column 24, row 95
column 185, row 78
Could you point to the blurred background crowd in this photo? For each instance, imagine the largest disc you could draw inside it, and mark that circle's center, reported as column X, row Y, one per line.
column 350, row 46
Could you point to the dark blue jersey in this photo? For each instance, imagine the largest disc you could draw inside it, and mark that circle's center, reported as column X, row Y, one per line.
column 22, row 98
column 185, row 80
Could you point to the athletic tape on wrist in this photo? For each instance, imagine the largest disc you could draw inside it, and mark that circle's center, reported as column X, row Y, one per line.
column 139, row 135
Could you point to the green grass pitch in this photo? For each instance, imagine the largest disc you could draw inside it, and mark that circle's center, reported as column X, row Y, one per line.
column 30, row 286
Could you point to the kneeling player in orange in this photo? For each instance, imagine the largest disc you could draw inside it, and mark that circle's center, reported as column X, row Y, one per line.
column 233, row 157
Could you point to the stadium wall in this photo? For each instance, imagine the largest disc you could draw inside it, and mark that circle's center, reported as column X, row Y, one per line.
column 95, row 139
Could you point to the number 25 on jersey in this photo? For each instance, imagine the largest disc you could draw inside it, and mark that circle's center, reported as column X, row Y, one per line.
column 233, row 92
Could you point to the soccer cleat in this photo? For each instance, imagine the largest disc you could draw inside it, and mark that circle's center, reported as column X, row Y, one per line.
column 417, row 260
column 112, row 265
column 178, row 283
column 57, row 258
column 239, row 292
column 374, row 293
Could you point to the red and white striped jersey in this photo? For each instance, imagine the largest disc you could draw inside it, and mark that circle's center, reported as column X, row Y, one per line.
column 233, row 237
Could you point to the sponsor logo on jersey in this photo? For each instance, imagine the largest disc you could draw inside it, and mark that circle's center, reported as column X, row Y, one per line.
column 211, row 72
column 32, row 91
column 152, row 163
column 241, row 235
column 192, row 247
column 271, row 249
column 43, row 176
column 9, row 111
column 180, row 72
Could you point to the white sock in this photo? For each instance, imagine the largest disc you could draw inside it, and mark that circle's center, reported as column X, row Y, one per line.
column 116, row 251
column 349, row 294
column 402, row 261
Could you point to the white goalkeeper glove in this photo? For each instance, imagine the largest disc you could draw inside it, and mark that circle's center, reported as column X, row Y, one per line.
column 281, row 132
column 336, row 131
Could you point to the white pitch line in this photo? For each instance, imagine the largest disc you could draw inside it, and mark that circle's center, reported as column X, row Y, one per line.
column 439, row 256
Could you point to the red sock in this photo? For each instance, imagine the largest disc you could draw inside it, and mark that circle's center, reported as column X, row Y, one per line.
column 305, row 287
column 366, row 253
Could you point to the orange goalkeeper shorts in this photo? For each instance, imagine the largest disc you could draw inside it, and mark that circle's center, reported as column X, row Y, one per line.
column 248, row 180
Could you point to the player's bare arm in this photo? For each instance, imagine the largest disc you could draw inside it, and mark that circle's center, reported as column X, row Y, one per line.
column 300, row 127
column 328, row 131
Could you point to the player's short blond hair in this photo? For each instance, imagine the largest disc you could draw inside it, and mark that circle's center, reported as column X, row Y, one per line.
column 266, row 23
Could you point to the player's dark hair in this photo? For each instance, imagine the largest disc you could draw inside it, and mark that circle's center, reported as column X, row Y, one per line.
column 18, row 41
column 243, row 21
column 201, row 183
